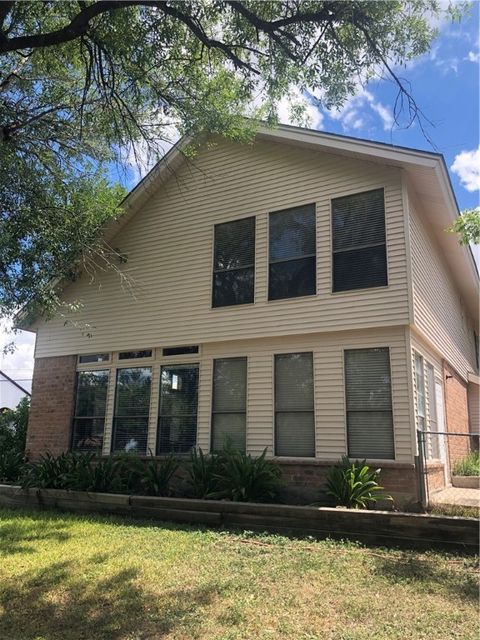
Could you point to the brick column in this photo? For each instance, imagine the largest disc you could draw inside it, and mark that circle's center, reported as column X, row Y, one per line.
column 456, row 413
column 51, row 407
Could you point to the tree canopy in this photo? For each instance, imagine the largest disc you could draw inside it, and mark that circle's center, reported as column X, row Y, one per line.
column 84, row 83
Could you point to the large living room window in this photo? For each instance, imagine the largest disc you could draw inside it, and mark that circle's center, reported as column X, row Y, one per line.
column 358, row 241
column 132, row 404
column 177, row 419
column 294, row 405
column 292, row 253
column 369, row 403
column 234, row 263
column 229, row 407
column 89, row 416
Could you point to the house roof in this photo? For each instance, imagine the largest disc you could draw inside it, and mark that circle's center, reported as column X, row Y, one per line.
column 15, row 384
column 425, row 171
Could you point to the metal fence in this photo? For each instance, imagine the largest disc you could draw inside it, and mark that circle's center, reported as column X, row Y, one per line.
column 446, row 466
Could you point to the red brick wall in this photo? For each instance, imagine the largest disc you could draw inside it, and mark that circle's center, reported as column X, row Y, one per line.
column 51, row 408
column 305, row 481
column 435, row 476
column 456, row 413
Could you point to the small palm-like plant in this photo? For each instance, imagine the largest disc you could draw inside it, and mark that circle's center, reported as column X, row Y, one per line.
column 203, row 473
column 243, row 478
column 354, row 484
column 156, row 476
column 11, row 464
column 49, row 472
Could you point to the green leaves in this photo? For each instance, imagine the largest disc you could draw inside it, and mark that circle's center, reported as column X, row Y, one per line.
column 354, row 485
column 467, row 225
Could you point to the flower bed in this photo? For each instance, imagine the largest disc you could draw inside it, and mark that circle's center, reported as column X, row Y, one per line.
column 378, row 527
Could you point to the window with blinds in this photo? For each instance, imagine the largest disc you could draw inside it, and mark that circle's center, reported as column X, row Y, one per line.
column 234, row 263
column 420, row 391
column 358, row 241
column 93, row 358
column 89, row 414
column 292, row 253
column 177, row 419
column 294, row 405
column 229, row 406
column 369, row 403
column 132, row 404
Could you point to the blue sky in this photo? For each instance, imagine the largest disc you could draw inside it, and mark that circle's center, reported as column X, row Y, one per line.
column 445, row 84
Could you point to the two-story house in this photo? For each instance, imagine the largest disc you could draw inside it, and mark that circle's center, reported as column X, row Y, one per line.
column 299, row 294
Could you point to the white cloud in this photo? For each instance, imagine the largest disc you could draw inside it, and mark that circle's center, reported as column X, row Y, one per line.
column 313, row 117
column 360, row 108
column 473, row 56
column 467, row 167
column 19, row 364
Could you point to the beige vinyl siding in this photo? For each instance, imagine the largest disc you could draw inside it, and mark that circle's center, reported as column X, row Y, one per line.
column 169, row 248
column 327, row 349
column 439, row 313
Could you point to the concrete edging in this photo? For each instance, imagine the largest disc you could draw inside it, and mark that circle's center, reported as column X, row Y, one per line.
column 378, row 527
column 466, row 482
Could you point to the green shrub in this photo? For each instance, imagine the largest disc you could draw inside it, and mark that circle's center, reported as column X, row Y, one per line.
column 203, row 473
column 11, row 465
column 468, row 466
column 156, row 476
column 243, row 478
column 354, row 484
column 49, row 472
column 87, row 473
column 13, row 427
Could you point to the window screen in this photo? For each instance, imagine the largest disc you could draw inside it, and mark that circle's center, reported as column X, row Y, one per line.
column 358, row 239
column 132, row 403
column 369, row 403
column 89, row 417
column 177, row 420
column 292, row 261
column 234, row 263
column 420, row 391
column 294, row 405
column 229, row 403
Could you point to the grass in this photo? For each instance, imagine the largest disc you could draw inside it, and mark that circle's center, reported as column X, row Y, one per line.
column 67, row 577
column 468, row 466
column 459, row 510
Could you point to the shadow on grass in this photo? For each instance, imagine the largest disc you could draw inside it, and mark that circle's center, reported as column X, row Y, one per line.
column 16, row 536
column 426, row 572
column 58, row 602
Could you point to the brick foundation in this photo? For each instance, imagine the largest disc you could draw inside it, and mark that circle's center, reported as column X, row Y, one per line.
column 456, row 413
column 435, row 476
column 305, row 481
column 51, row 409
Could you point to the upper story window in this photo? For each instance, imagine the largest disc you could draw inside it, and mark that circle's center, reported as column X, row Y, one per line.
column 234, row 263
column 292, row 253
column 368, row 396
column 358, row 241
column 179, row 351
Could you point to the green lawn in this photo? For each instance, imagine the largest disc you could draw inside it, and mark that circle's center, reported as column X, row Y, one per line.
column 70, row 577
